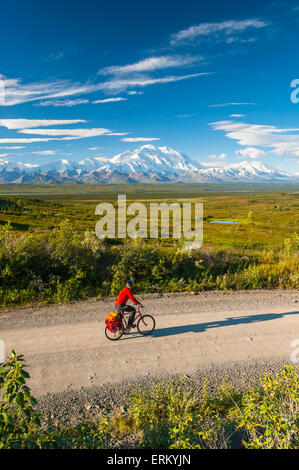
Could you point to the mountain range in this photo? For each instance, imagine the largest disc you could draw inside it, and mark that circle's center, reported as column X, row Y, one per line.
column 147, row 164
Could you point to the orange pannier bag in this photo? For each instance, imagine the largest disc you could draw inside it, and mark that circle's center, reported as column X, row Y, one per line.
column 112, row 321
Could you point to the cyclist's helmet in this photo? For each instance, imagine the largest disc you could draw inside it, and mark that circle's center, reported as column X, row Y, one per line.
column 130, row 283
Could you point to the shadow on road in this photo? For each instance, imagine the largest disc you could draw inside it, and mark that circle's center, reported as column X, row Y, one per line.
column 200, row 327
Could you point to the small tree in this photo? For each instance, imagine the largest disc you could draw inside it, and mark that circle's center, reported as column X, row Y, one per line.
column 17, row 407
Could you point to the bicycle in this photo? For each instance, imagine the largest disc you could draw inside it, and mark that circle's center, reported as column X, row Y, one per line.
column 145, row 325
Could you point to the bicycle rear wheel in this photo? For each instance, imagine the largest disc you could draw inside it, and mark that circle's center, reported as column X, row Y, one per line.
column 114, row 336
column 146, row 325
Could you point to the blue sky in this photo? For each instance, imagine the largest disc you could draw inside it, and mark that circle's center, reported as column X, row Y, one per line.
column 211, row 79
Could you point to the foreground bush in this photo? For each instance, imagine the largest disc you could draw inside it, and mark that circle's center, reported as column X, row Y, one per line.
column 20, row 422
column 270, row 414
column 173, row 415
column 68, row 265
column 168, row 415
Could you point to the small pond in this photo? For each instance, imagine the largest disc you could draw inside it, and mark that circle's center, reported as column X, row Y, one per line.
column 223, row 222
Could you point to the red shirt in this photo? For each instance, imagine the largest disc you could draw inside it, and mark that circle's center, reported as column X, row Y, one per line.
column 124, row 296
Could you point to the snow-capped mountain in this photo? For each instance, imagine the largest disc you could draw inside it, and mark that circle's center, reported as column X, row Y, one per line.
column 147, row 164
column 146, row 159
column 151, row 159
column 244, row 171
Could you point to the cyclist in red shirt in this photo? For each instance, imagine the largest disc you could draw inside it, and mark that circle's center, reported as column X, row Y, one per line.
column 120, row 304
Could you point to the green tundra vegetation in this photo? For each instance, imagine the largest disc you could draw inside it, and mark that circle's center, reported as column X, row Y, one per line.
column 49, row 251
column 166, row 415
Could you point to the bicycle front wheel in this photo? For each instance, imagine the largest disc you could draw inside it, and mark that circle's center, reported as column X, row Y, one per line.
column 114, row 336
column 146, row 325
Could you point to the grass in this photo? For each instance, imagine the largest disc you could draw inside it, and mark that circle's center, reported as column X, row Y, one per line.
column 50, row 253
column 274, row 215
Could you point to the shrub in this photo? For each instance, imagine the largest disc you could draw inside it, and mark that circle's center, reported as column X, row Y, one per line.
column 18, row 417
column 68, row 264
column 270, row 413
column 166, row 415
column 20, row 425
column 292, row 244
column 170, row 415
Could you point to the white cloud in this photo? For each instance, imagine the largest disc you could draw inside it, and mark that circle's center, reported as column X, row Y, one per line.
column 44, row 152
column 134, row 92
column 139, row 139
column 54, row 57
column 117, row 133
column 30, row 165
column 151, row 64
column 58, row 134
column 280, row 141
column 221, row 156
column 3, row 155
column 94, row 148
column 29, row 123
column 223, row 30
column 16, row 92
column 109, row 100
column 13, row 148
column 251, row 152
column 224, row 105
column 231, row 40
column 186, row 116
column 119, row 84
column 237, row 115
column 23, row 141
column 63, row 103
column 76, row 133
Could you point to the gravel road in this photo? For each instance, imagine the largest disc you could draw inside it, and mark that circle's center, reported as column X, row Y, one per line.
column 75, row 369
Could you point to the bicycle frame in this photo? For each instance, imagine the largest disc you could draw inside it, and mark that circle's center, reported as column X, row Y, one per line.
column 123, row 314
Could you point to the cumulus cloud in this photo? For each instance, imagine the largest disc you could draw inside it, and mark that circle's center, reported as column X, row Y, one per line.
column 281, row 141
column 251, row 152
column 224, row 30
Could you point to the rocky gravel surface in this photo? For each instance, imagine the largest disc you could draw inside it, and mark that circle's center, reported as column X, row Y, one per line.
column 90, row 403
column 210, row 328
column 90, row 310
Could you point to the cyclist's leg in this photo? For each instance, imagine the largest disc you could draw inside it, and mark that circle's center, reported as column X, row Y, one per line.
column 129, row 308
